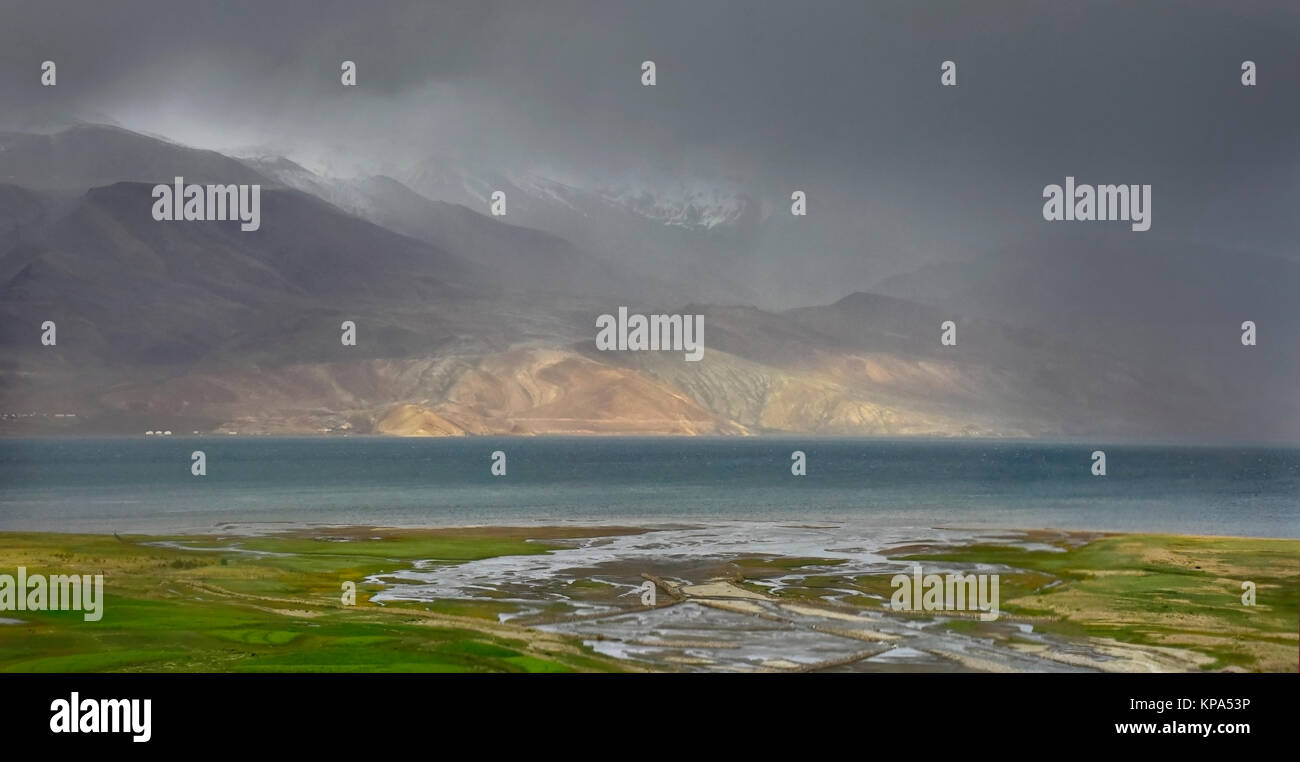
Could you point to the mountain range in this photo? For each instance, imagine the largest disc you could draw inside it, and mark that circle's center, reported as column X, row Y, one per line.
column 469, row 324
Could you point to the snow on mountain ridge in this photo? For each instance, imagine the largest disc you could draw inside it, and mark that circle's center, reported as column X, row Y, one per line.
column 695, row 204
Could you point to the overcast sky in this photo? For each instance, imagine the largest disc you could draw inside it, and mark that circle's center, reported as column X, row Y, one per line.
column 840, row 99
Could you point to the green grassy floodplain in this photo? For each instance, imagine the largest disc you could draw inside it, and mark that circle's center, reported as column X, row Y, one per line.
column 224, row 609
column 177, row 610
column 1170, row 591
column 1167, row 590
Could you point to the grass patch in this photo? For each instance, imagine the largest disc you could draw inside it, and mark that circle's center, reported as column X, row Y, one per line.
column 1158, row 590
column 227, row 610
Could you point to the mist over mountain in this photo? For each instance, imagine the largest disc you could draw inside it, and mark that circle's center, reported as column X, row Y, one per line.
column 700, row 238
column 755, row 99
column 89, row 155
column 468, row 325
column 518, row 256
column 1170, row 310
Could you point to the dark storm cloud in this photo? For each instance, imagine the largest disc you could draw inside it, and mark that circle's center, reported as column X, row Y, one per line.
column 840, row 99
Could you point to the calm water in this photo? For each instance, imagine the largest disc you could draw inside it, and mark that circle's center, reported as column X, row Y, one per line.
column 145, row 485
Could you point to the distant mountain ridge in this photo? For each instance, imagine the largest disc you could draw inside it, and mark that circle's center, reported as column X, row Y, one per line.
column 469, row 325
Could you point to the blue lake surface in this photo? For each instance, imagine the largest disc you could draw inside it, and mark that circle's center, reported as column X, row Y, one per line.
column 145, row 484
